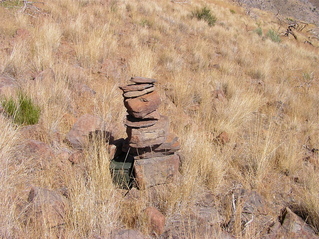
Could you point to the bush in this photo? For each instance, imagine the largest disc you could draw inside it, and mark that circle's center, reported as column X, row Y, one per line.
column 23, row 111
column 259, row 31
column 273, row 36
column 206, row 15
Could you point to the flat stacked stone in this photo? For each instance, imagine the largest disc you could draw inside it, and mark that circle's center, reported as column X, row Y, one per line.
column 149, row 139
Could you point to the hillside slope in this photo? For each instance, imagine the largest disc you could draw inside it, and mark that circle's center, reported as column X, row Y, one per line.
column 241, row 96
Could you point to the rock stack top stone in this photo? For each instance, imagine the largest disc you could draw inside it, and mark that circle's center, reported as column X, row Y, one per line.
column 149, row 140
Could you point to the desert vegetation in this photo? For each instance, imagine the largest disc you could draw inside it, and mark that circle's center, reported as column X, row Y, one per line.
column 242, row 98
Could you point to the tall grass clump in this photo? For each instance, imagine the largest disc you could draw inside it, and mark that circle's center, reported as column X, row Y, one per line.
column 272, row 35
column 23, row 110
column 206, row 15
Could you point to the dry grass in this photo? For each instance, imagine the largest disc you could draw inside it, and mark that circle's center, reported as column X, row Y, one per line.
column 270, row 109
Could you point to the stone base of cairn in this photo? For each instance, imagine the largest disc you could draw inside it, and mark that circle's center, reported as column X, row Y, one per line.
column 148, row 138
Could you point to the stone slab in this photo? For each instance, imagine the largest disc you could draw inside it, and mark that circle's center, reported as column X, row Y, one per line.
column 137, row 93
column 156, row 171
column 135, row 87
column 142, row 80
column 149, row 136
column 141, row 106
column 139, row 123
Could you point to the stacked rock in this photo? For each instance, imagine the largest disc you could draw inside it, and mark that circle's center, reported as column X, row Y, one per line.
column 149, row 140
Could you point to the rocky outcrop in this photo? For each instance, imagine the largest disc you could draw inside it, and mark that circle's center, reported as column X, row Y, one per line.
column 149, row 140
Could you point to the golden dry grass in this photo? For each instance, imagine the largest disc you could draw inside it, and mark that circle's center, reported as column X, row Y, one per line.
column 270, row 111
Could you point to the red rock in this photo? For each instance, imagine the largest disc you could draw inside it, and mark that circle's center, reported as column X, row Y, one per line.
column 46, row 207
column 79, row 134
column 141, row 106
column 133, row 94
column 156, row 171
column 139, row 123
column 156, row 220
column 153, row 135
column 170, row 146
column 142, row 80
column 223, row 138
column 153, row 115
column 135, row 87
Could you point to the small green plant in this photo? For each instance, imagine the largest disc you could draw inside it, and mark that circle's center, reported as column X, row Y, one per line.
column 259, row 31
column 273, row 36
column 23, row 110
column 11, row 3
column 206, row 15
column 232, row 11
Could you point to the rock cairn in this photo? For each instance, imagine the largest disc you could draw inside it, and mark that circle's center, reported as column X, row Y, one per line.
column 149, row 140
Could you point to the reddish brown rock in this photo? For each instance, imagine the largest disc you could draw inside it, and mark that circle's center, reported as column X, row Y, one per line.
column 8, row 86
column 156, row 171
column 149, row 136
column 133, row 94
column 170, row 146
column 156, row 220
column 142, row 80
column 141, row 106
column 222, row 138
column 78, row 136
column 153, row 115
column 139, row 123
column 46, row 207
column 135, row 87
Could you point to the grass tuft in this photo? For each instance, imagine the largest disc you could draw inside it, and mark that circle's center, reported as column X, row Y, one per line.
column 206, row 15
column 23, row 111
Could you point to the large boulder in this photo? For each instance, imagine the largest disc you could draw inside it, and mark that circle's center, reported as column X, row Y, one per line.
column 86, row 125
column 156, row 171
column 46, row 208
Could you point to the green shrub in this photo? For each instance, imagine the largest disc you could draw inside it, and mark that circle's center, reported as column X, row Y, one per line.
column 23, row 110
column 259, row 31
column 206, row 15
column 273, row 36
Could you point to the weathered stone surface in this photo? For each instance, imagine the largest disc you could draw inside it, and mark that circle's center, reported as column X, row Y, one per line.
column 153, row 135
column 291, row 226
column 8, row 86
column 153, row 115
column 126, row 234
column 135, row 87
column 141, row 106
column 46, row 207
column 139, row 123
column 170, row 146
column 78, row 136
column 156, row 171
column 156, row 220
column 142, row 80
column 132, row 94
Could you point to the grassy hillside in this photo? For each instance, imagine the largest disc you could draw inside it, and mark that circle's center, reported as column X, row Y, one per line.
column 238, row 75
